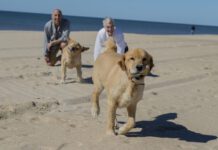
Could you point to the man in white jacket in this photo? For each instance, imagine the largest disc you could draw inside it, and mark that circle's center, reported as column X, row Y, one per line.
column 109, row 30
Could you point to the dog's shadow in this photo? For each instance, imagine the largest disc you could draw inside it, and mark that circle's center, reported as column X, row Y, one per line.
column 152, row 75
column 87, row 80
column 87, row 66
column 163, row 128
column 69, row 81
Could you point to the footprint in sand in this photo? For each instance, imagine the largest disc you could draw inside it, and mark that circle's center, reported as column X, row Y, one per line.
column 36, row 147
column 1, row 138
column 72, row 125
column 215, row 147
column 45, row 74
column 61, row 146
column 186, row 147
column 3, row 127
column 20, row 77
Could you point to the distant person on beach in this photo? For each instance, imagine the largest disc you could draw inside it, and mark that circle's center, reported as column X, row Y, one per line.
column 109, row 30
column 56, row 32
column 193, row 29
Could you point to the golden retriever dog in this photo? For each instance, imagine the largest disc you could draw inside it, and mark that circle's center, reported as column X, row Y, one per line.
column 122, row 76
column 71, row 57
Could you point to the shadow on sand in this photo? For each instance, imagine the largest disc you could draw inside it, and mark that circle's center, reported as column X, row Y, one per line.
column 163, row 128
column 87, row 66
column 153, row 75
column 88, row 80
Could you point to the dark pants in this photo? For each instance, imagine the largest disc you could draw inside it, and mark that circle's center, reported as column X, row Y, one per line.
column 126, row 49
column 51, row 55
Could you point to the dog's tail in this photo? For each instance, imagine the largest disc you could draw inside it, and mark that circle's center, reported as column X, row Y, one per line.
column 110, row 45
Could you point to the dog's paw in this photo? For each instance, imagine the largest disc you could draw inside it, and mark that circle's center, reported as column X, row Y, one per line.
column 95, row 112
column 123, row 130
column 110, row 133
column 62, row 81
column 80, row 80
column 116, row 125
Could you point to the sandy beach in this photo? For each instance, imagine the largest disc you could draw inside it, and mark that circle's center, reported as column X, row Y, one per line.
column 179, row 109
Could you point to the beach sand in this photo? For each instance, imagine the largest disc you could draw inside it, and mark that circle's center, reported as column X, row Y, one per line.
column 179, row 109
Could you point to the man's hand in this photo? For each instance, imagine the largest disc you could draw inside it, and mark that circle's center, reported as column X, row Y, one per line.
column 49, row 46
column 52, row 43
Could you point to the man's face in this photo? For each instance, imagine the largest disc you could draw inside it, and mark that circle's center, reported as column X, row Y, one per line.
column 109, row 27
column 56, row 17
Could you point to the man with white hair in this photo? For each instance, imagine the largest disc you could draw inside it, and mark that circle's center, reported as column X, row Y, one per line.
column 109, row 30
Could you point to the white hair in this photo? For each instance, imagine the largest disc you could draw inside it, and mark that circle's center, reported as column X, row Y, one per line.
column 56, row 9
column 108, row 19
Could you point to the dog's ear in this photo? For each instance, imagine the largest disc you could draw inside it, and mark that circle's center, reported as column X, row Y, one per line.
column 121, row 63
column 151, row 63
column 84, row 48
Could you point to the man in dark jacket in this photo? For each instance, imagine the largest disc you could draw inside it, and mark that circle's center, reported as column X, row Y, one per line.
column 56, row 32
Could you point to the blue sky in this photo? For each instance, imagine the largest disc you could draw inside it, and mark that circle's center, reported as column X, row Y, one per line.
column 203, row 12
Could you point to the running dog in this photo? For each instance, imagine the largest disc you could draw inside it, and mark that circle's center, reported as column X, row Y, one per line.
column 123, row 78
column 71, row 57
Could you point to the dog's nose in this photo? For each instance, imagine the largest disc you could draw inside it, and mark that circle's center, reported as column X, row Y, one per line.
column 139, row 67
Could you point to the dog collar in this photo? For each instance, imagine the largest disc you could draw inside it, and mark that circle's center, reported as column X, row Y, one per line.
column 137, row 78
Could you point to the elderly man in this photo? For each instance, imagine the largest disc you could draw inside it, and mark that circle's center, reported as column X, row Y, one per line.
column 56, row 32
column 109, row 30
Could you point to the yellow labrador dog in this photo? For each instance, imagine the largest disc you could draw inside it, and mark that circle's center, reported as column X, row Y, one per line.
column 71, row 57
column 123, row 78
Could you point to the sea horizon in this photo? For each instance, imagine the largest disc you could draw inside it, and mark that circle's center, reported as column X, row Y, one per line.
column 13, row 20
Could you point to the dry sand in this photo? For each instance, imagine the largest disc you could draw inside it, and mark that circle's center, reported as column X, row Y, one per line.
column 179, row 110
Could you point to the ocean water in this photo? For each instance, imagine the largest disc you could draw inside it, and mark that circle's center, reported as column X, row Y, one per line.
column 36, row 22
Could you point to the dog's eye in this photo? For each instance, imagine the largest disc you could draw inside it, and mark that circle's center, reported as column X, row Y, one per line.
column 132, row 58
column 73, row 49
column 144, row 59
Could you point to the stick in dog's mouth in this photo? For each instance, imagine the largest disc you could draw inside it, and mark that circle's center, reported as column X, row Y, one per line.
column 140, row 74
